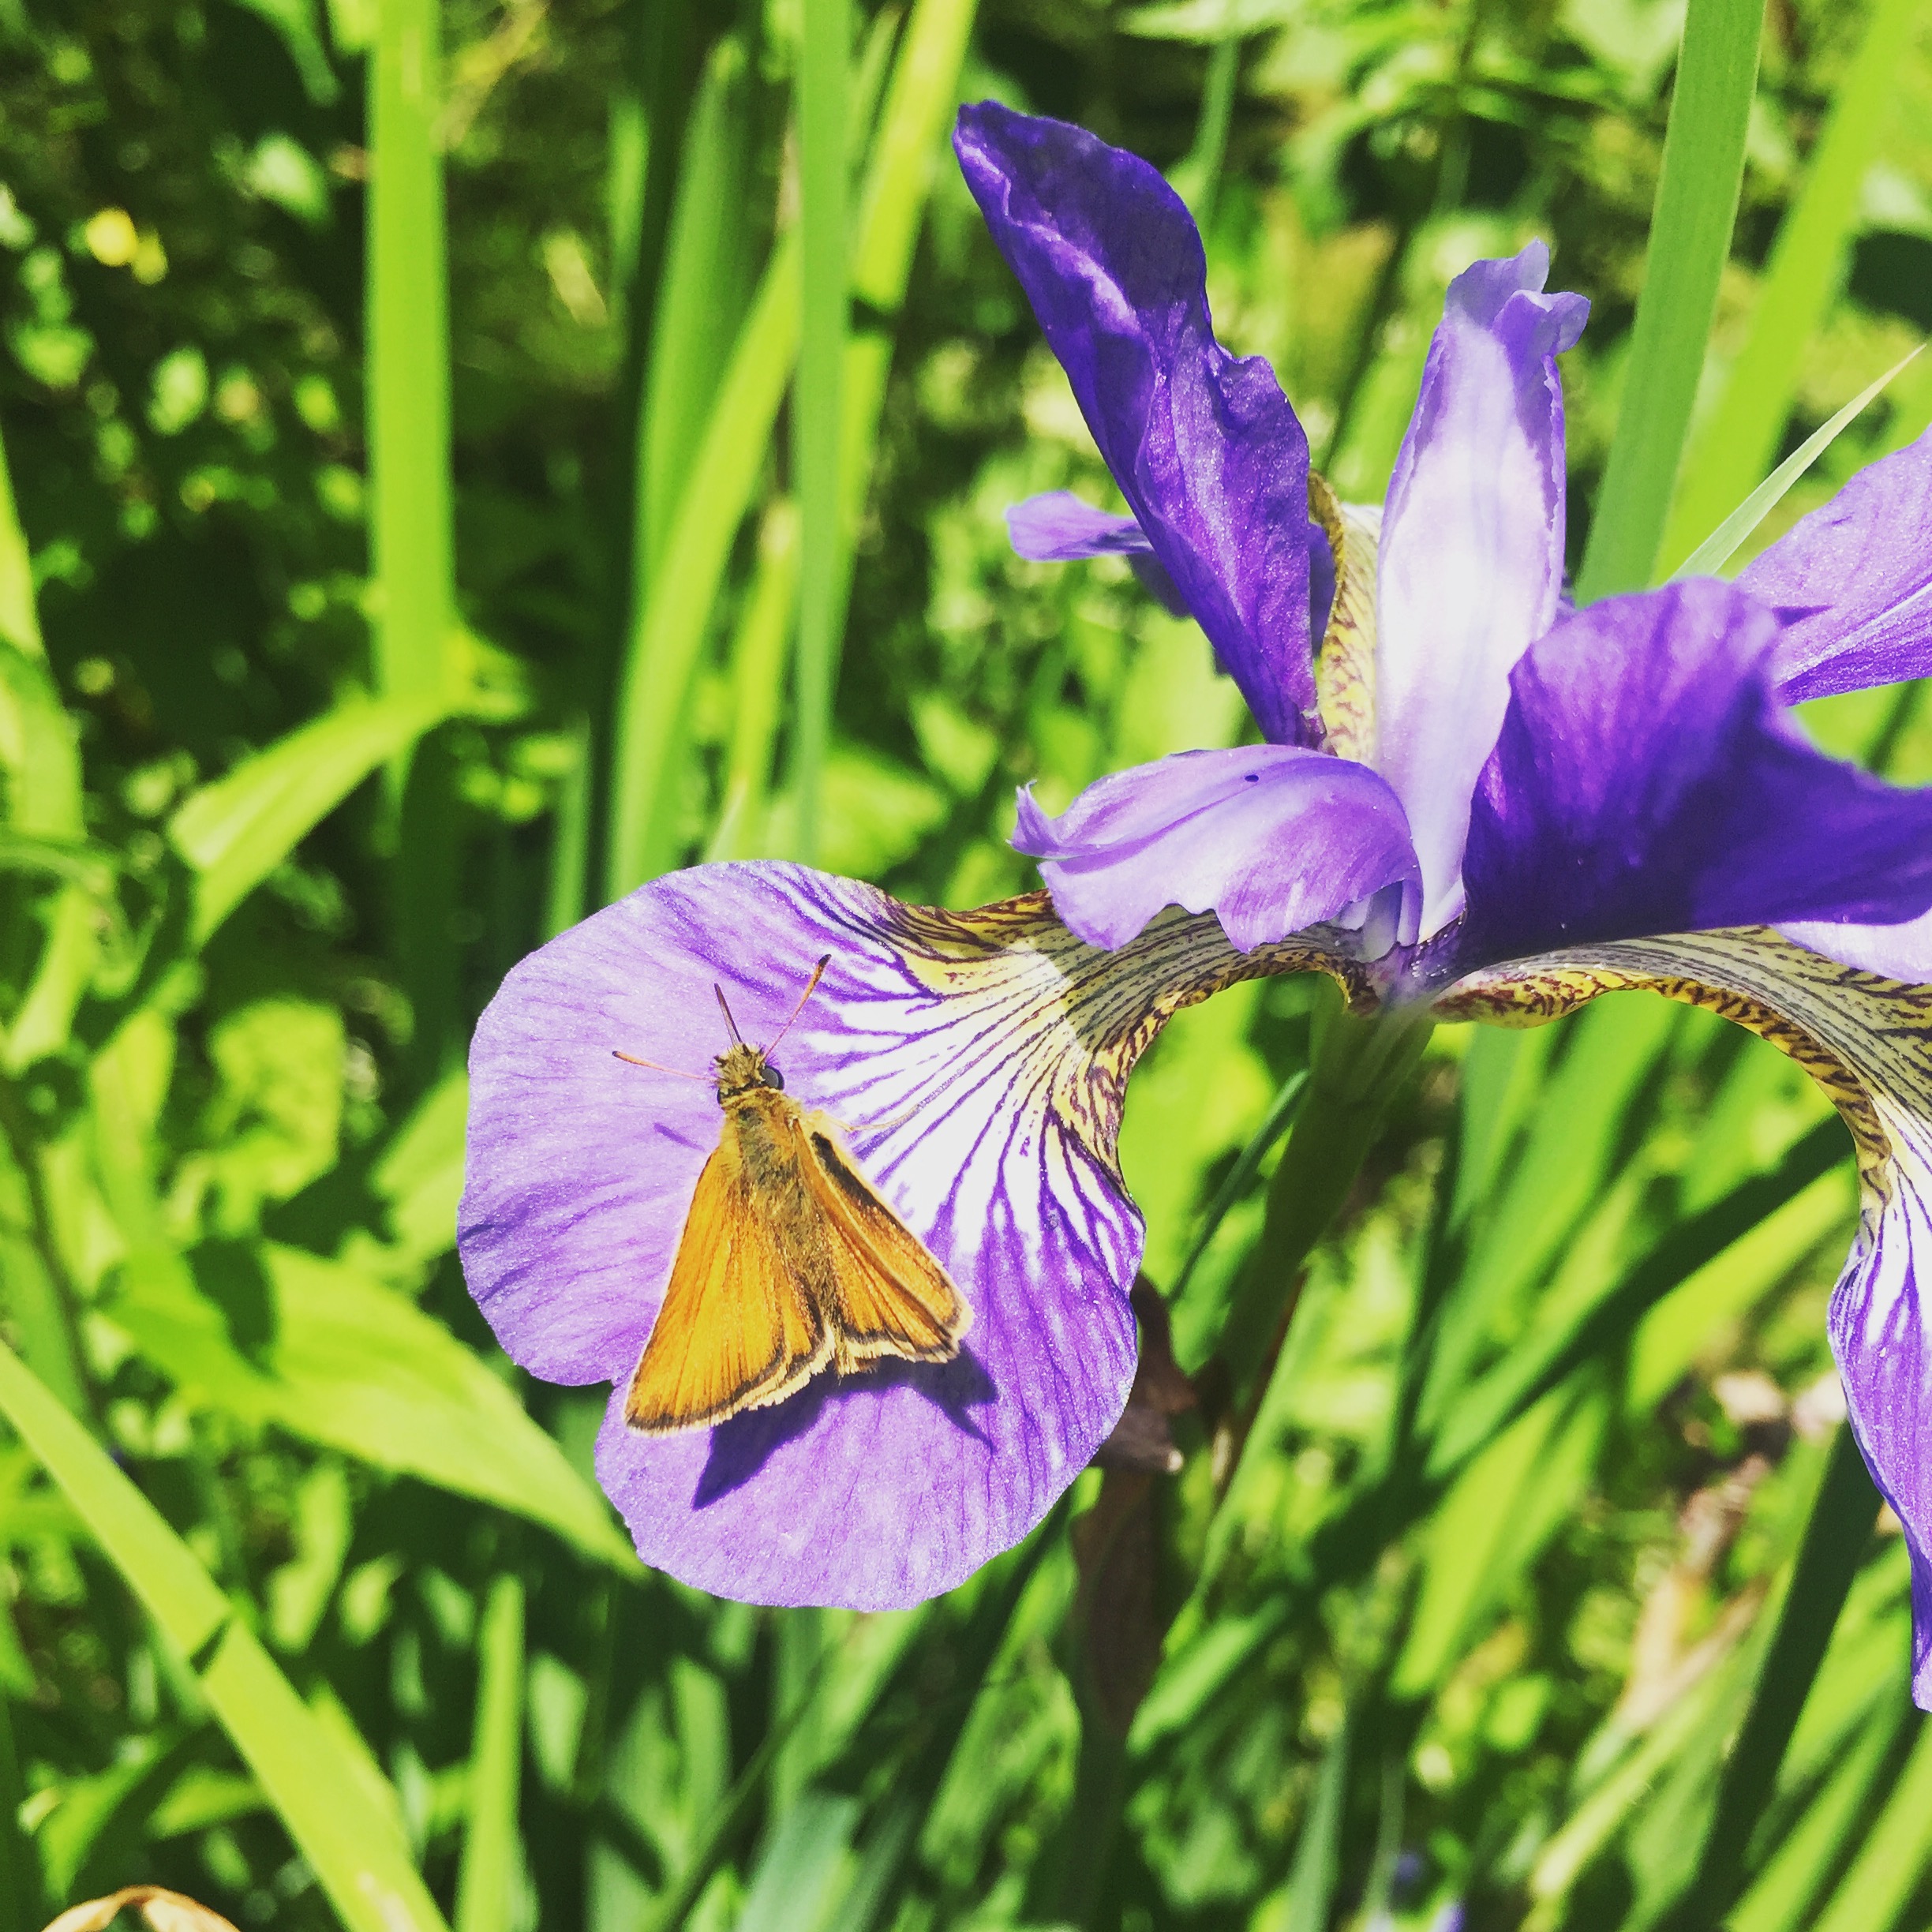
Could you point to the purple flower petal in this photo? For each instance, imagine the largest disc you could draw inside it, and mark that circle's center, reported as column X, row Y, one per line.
column 1648, row 780
column 1903, row 952
column 1272, row 838
column 1868, row 1043
column 1853, row 581
column 990, row 1051
column 1472, row 549
column 1204, row 448
column 1058, row 528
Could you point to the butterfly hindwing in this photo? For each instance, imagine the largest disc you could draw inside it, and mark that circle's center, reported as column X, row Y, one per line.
column 736, row 1329
column 893, row 1298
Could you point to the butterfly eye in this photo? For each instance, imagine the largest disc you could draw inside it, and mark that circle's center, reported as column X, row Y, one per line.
column 771, row 1076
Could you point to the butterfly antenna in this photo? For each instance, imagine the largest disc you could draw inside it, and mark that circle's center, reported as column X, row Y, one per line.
column 737, row 1038
column 678, row 1073
column 812, row 986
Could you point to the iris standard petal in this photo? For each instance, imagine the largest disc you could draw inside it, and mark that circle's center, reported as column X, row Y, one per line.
column 1271, row 838
column 990, row 1049
column 1472, row 549
column 1204, row 446
column 1647, row 779
column 1853, row 581
column 1867, row 1042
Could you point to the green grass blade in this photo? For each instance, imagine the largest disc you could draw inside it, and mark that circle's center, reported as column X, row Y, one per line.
column 348, row 1842
column 1873, row 1895
column 408, row 375
column 758, row 683
column 669, row 634
column 1689, row 239
column 819, row 425
column 706, row 281
column 1731, row 449
column 1718, row 548
column 486, row 1886
column 1841, row 1527
column 1318, row 1852
column 19, row 621
column 910, row 142
column 1281, row 1117
column 236, row 831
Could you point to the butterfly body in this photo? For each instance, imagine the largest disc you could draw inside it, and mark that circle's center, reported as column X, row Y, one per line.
column 789, row 1263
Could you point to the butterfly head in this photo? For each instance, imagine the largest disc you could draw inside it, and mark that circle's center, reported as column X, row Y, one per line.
column 742, row 1070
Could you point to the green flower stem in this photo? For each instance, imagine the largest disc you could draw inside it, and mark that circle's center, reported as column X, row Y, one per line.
column 1359, row 1066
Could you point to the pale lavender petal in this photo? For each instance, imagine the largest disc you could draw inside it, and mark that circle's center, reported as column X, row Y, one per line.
column 1853, row 581
column 1647, row 780
column 1204, row 446
column 1272, row 838
column 1058, row 528
column 1903, row 952
column 988, row 1051
column 1472, row 550
column 1868, row 1043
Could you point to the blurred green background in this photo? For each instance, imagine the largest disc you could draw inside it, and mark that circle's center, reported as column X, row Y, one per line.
column 321, row 703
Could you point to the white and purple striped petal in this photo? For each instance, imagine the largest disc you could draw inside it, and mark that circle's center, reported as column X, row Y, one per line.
column 989, row 1049
column 1204, row 445
column 1867, row 1042
column 1271, row 838
column 1853, row 582
column 1472, row 549
column 1648, row 779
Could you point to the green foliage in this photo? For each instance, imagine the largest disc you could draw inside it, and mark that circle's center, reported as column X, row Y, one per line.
column 442, row 489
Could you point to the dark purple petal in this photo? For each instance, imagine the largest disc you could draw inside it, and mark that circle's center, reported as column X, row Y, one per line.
column 1868, row 1043
column 1648, row 780
column 1853, row 581
column 1271, row 838
column 1472, row 549
column 988, row 1050
column 1204, row 448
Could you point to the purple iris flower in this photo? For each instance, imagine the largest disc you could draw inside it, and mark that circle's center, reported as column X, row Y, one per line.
column 1485, row 801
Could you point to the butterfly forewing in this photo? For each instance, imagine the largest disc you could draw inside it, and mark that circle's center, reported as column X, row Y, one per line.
column 737, row 1328
column 891, row 1296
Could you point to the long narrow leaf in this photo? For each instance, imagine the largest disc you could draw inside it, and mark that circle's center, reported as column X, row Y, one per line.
column 1689, row 238
column 1732, row 447
column 486, row 1887
column 349, row 1842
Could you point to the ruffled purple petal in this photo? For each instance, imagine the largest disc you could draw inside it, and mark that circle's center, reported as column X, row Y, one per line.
column 1271, row 838
column 989, row 1051
column 1648, row 780
column 1204, row 448
column 1472, row 549
column 1868, row 1043
column 1853, row 581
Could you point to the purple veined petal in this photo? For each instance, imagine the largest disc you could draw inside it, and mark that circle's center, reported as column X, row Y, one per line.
column 1472, row 549
column 1903, row 952
column 1204, row 446
column 990, row 1050
column 1273, row 839
column 1868, row 1043
column 1648, row 780
column 1853, row 581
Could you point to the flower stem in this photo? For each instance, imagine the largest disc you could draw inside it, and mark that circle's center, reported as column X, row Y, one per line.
column 1359, row 1065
